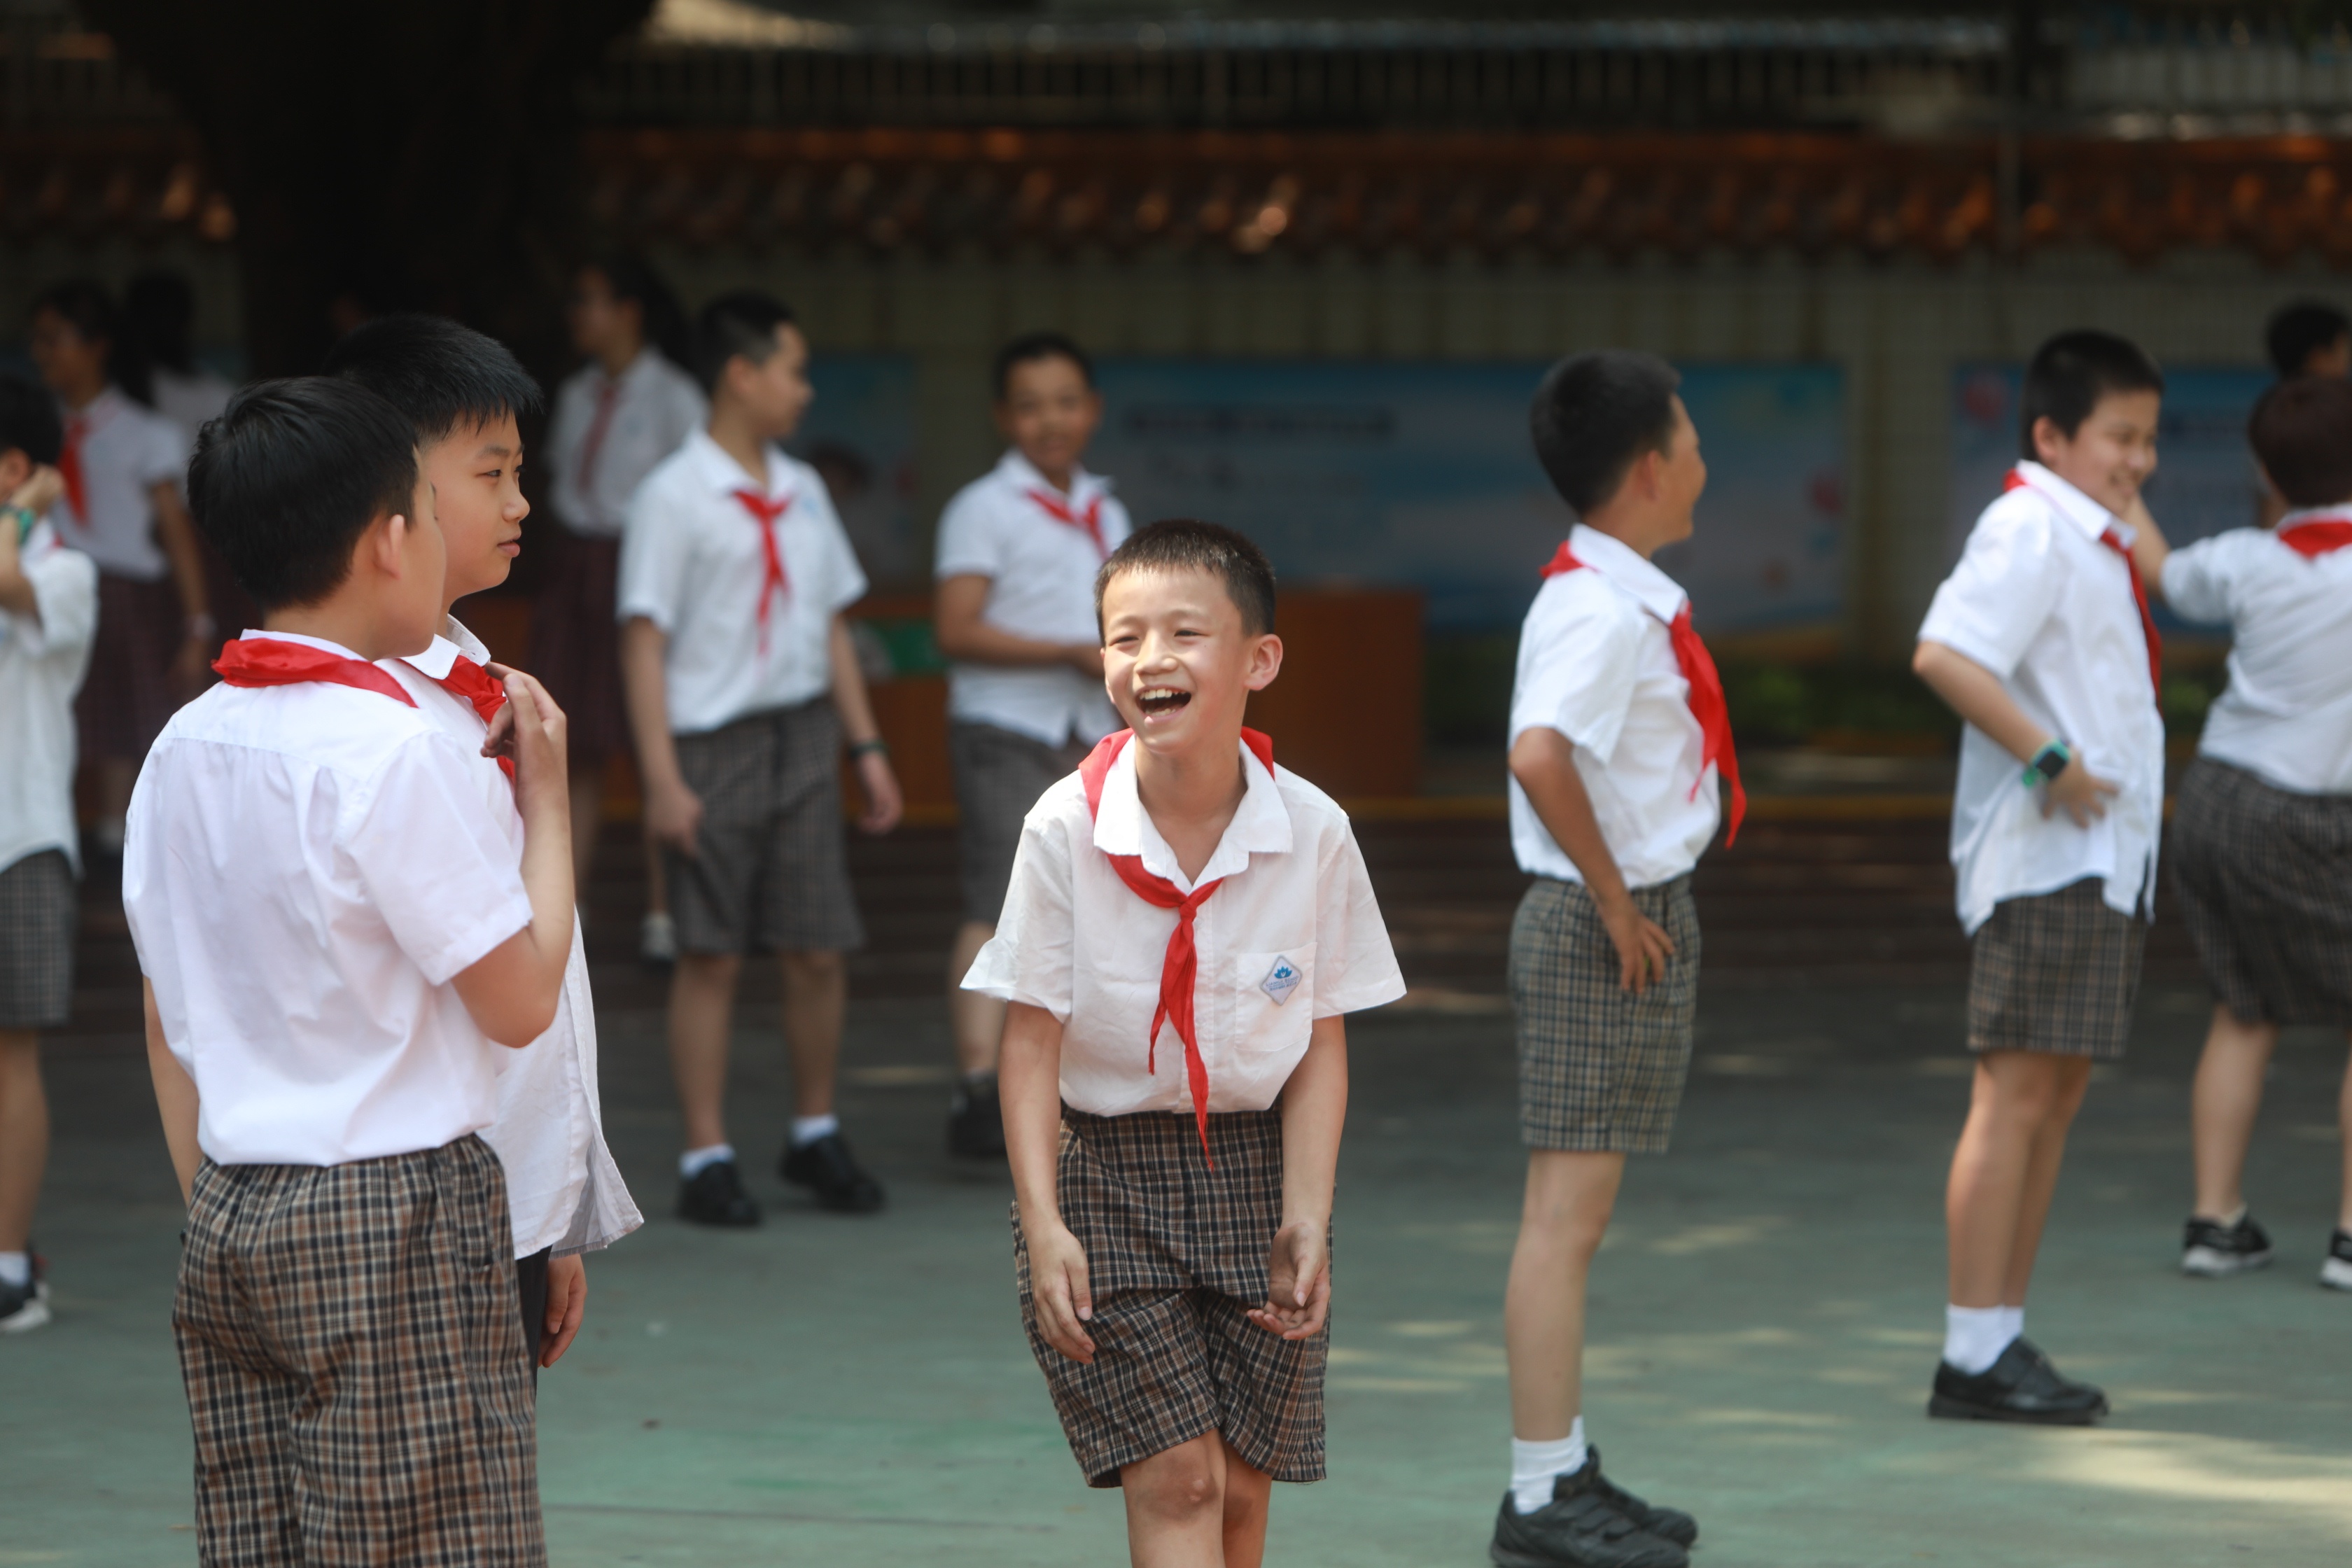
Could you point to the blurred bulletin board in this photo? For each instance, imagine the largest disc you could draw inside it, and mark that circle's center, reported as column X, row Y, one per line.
column 859, row 434
column 1421, row 475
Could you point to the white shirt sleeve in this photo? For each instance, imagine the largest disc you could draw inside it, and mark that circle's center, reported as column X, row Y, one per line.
column 683, row 408
column 969, row 543
column 1029, row 960
column 654, row 542
column 1115, row 525
column 161, row 456
column 1356, row 966
column 1580, row 675
column 436, row 864
column 65, row 589
column 2005, row 588
column 2198, row 580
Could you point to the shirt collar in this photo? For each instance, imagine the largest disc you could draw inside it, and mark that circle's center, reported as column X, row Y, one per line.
column 725, row 475
column 2072, row 504
column 255, row 634
column 1622, row 564
column 1260, row 824
column 436, row 661
column 1022, row 474
column 2340, row 512
column 99, row 411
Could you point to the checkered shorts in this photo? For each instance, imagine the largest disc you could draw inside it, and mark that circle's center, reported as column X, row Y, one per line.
column 1176, row 1254
column 355, row 1367
column 2265, row 882
column 1601, row 1068
column 772, row 871
column 37, row 942
column 998, row 777
column 2055, row 973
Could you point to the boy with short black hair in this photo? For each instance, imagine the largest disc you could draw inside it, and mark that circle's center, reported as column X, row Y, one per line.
column 2309, row 337
column 2261, row 821
column 49, row 613
column 335, row 934
column 466, row 395
column 1171, row 1230
column 1618, row 739
column 2040, row 640
column 1018, row 550
column 742, row 685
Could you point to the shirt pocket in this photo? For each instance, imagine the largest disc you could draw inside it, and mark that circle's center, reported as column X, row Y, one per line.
column 1274, row 998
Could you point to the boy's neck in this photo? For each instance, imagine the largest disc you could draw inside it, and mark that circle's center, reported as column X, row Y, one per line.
column 338, row 621
column 616, row 362
column 1060, row 478
column 1645, row 536
column 737, row 437
column 1202, row 785
column 78, row 403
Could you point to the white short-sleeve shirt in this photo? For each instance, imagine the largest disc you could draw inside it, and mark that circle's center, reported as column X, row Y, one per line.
column 655, row 407
column 563, row 1188
column 190, row 402
column 1041, row 585
column 126, row 450
column 2286, row 715
column 691, row 562
column 1292, row 935
column 305, row 869
column 1597, row 664
column 42, row 663
column 2040, row 602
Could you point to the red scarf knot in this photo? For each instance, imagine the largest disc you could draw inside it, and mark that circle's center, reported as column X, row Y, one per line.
column 772, row 581
column 1088, row 522
column 472, row 684
column 267, row 661
column 2320, row 536
column 1179, row 967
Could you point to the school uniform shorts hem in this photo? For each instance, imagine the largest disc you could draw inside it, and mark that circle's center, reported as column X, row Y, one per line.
column 1176, row 1257
column 2056, row 974
column 1601, row 1068
column 37, row 901
column 999, row 775
column 2264, row 876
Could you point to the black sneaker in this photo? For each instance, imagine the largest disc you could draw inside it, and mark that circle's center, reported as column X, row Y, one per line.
column 2212, row 1250
column 2020, row 1386
column 823, row 1165
column 26, row 1305
column 975, row 1121
column 1667, row 1523
column 1580, row 1528
column 2336, row 1272
column 715, row 1195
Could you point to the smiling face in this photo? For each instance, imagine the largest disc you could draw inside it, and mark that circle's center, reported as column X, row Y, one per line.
column 475, row 473
column 2110, row 455
column 1178, row 662
column 775, row 392
column 1049, row 413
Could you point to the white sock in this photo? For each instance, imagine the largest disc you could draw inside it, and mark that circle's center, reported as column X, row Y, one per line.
column 2012, row 1324
column 1974, row 1337
column 16, row 1268
column 807, row 1129
column 1536, row 1466
column 694, row 1161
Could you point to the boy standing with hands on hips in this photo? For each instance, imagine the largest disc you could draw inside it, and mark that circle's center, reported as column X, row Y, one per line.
column 1186, row 926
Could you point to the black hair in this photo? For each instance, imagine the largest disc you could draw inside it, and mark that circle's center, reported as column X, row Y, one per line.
column 89, row 309
column 741, row 324
column 2302, row 431
column 2299, row 330
column 161, row 311
column 630, row 277
column 1595, row 414
column 285, row 481
column 2070, row 374
column 28, row 420
column 442, row 376
column 1031, row 346
column 1183, row 544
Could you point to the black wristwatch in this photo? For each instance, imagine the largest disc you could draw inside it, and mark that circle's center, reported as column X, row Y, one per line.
column 2048, row 763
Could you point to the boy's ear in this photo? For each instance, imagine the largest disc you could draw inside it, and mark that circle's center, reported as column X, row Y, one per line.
column 1266, row 662
column 2048, row 439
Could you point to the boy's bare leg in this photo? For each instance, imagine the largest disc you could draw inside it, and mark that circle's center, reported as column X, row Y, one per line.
column 701, row 1016
column 1176, row 1504
column 587, row 820
column 1570, row 1197
column 2004, row 1151
column 2045, row 1155
column 979, row 1020
column 2344, row 1120
column 2223, row 1100
column 23, row 1136
column 816, row 994
column 1248, row 1491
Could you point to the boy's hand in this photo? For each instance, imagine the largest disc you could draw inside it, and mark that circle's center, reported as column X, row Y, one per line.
column 884, row 805
column 567, row 1303
column 1057, row 1285
column 39, row 492
column 1299, row 1274
column 1642, row 945
column 532, row 729
column 2080, row 792
column 674, row 817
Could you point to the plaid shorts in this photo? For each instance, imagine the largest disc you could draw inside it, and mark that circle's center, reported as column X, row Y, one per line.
column 354, row 1365
column 1176, row 1254
column 1601, row 1068
column 2055, row 973
column 772, row 874
column 37, row 942
column 2264, row 876
column 998, row 777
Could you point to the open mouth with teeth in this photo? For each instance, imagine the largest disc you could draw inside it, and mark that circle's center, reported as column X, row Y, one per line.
column 1158, row 702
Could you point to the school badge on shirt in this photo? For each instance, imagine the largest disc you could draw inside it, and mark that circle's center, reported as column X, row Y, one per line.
column 1281, row 981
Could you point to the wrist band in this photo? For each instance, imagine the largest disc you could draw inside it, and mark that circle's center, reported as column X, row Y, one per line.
column 867, row 748
column 2048, row 763
column 24, row 517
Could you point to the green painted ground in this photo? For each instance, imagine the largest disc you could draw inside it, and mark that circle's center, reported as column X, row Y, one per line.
column 855, row 1391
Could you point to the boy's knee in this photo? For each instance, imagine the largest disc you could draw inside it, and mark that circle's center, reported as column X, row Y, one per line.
column 818, row 966
column 1177, row 1483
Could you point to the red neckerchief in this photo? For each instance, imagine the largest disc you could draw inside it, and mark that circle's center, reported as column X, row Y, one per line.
column 2316, row 537
column 267, row 661
column 772, row 580
column 69, row 467
column 1706, row 699
column 2016, row 480
column 1088, row 522
column 590, row 448
column 469, row 682
column 1180, row 969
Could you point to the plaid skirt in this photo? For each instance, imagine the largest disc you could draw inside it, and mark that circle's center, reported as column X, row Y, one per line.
column 126, row 699
column 575, row 645
column 2055, row 973
column 1176, row 1257
column 1600, row 1068
column 355, row 1367
column 37, row 942
column 998, row 777
column 2264, row 876
column 771, row 871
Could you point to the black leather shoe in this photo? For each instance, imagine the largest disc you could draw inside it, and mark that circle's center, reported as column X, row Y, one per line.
column 2020, row 1386
column 1578, row 1529
column 1667, row 1523
column 823, row 1165
column 976, row 1121
column 715, row 1195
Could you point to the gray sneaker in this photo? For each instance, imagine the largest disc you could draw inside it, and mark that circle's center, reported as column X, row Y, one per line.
column 1578, row 1529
